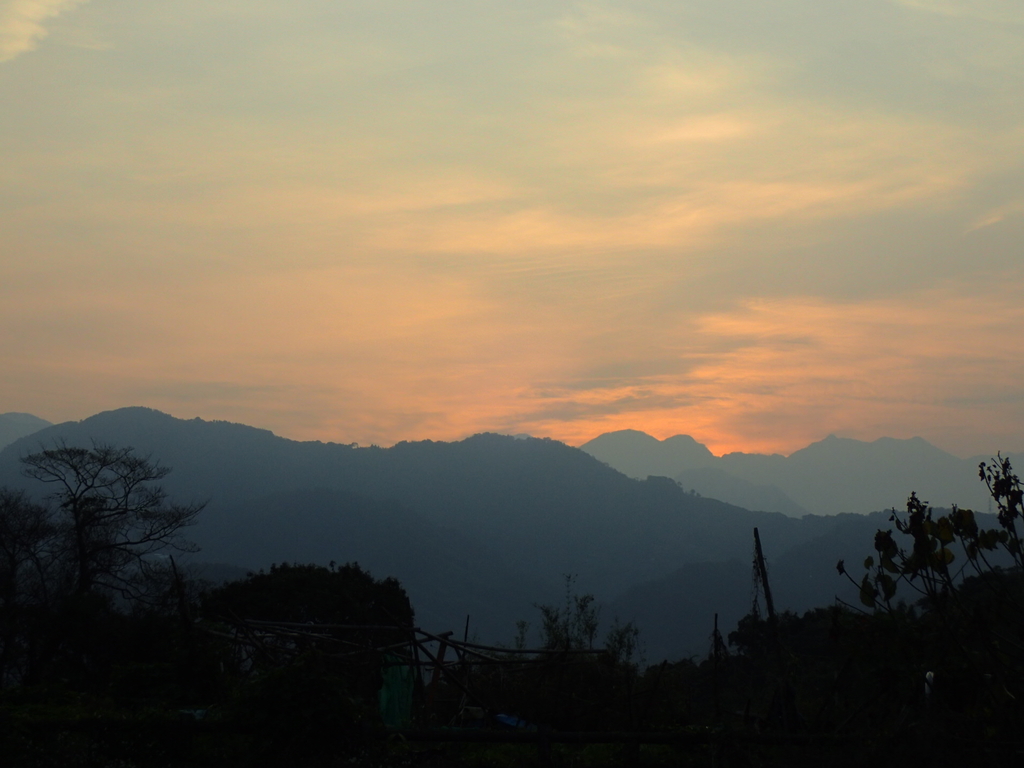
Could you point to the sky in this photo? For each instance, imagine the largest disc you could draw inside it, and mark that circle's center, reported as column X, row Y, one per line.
column 756, row 222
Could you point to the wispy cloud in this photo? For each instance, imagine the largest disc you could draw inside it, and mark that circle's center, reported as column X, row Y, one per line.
column 772, row 374
column 23, row 23
column 998, row 214
column 382, row 221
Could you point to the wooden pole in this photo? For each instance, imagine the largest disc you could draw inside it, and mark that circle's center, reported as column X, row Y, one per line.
column 763, row 572
column 715, row 644
column 439, row 667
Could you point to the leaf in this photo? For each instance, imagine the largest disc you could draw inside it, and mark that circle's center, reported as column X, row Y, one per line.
column 888, row 587
column 964, row 523
column 869, row 562
column 884, row 543
column 868, row 592
column 944, row 530
column 941, row 558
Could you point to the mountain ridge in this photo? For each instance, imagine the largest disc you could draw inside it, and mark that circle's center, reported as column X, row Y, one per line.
column 830, row 476
column 488, row 525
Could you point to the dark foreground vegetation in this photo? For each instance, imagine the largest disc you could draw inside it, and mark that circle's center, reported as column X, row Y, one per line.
column 111, row 656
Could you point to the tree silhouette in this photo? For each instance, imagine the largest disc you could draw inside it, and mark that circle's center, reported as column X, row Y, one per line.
column 25, row 531
column 966, row 630
column 111, row 517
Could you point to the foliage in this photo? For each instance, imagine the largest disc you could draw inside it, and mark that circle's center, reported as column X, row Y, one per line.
column 304, row 712
column 25, row 565
column 334, row 594
column 62, row 564
column 964, row 643
column 622, row 643
column 927, row 565
column 572, row 627
column 571, row 684
column 122, row 682
column 350, row 615
column 110, row 518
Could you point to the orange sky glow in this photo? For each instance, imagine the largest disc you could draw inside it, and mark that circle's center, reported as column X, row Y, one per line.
column 757, row 224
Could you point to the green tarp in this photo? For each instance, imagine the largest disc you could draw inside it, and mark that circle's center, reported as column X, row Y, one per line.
column 396, row 692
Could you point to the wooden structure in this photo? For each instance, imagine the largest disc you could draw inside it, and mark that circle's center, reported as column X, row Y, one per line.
column 439, row 659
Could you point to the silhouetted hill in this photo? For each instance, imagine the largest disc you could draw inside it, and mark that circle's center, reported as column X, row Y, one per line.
column 802, row 576
column 447, row 574
column 554, row 509
column 695, row 592
column 485, row 526
column 15, row 425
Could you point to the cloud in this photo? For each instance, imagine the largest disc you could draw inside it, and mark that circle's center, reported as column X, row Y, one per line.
column 22, row 23
column 998, row 214
column 773, row 374
column 381, row 221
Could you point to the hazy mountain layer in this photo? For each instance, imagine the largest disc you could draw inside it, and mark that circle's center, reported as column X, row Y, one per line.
column 16, row 425
column 718, row 484
column 833, row 476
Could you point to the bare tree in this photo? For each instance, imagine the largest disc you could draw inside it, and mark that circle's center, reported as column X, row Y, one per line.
column 111, row 516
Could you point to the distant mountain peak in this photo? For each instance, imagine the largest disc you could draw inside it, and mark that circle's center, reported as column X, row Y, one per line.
column 18, row 417
column 636, row 436
column 625, row 435
column 15, row 425
column 882, row 449
column 832, row 475
column 135, row 411
column 639, row 455
column 684, row 440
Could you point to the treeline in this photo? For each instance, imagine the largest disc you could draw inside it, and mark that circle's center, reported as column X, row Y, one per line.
column 110, row 654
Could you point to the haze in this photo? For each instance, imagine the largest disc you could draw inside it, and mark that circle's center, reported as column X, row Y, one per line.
column 757, row 223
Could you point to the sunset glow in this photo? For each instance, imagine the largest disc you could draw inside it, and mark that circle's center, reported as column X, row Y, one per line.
column 753, row 223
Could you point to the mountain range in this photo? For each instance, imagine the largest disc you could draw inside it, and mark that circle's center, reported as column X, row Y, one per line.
column 829, row 477
column 487, row 526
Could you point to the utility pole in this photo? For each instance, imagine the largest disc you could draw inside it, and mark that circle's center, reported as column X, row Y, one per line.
column 716, row 644
column 783, row 700
column 762, row 572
